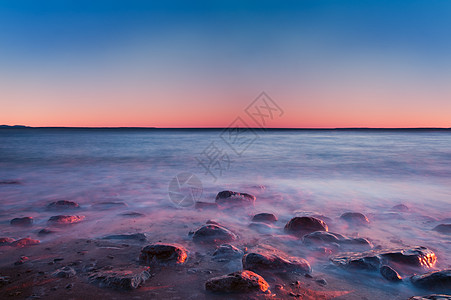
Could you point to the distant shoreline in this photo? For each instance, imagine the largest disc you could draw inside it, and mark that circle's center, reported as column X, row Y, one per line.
column 21, row 127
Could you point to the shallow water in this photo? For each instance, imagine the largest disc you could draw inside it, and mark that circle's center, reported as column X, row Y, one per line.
column 291, row 173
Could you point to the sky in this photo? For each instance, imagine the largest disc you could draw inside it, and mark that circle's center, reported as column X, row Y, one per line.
column 202, row 63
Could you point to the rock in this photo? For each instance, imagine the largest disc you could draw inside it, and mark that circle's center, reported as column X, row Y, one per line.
column 431, row 297
column 134, row 236
column 355, row 217
column 319, row 237
column 4, row 280
column 229, row 198
column 163, row 254
column 25, row 221
column 24, row 243
column 6, row 241
column 437, row 280
column 321, row 281
column 400, row 207
column 372, row 260
column 45, row 231
column 205, row 205
column 132, row 214
column 64, row 272
column 300, row 226
column 227, row 251
column 10, row 182
column 120, row 279
column 21, row 260
column 390, row 274
column 237, row 282
column 212, row 233
column 265, row 218
column 63, row 220
column 443, row 228
column 261, row 227
column 258, row 262
column 62, row 205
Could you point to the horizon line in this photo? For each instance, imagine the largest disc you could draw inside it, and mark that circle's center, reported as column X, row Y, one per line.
column 221, row 128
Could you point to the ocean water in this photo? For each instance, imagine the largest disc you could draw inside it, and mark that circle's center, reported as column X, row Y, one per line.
column 292, row 173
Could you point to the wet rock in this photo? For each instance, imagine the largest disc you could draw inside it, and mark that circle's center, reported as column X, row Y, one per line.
column 356, row 242
column 390, row 274
column 120, row 279
column 6, row 241
column 237, row 282
column 134, row 236
column 258, row 262
column 321, row 281
column 4, row 280
column 212, row 222
column 443, row 228
column 62, row 205
column 265, row 218
column 212, row 233
column 355, row 217
column 24, row 243
column 25, row 221
column 372, row 260
column 132, row 214
column 10, row 182
column 400, row 207
column 205, row 205
column 319, row 237
column 261, row 227
column 300, row 226
column 437, row 280
column 64, row 272
column 63, row 220
column 431, row 297
column 21, row 260
column 45, row 231
column 162, row 254
column 227, row 251
column 229, row 198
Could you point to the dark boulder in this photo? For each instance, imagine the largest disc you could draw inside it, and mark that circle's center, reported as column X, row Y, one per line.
column 355, row 218
column 431, row 297
column 390, row 274
column 301, row 226
column 237, row 282
column 437, row 280
column 120, row 279
column 443, row 228
column 25, row 221
column 62, row 205
column 372, row 260
column 229, row 198
column 63, row 220
column 132, row 214
column 212, row 233
column 323, row 237
column 24, row 243
column 133, row 236
column 265, row 218
column 227, row 251
column 163, row 254
column 258, row 262
column 64, row 272
column 400, row 207
column 45, row 231
column 6, row 241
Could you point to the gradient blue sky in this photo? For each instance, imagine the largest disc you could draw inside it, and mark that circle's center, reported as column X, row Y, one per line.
column 200, row 63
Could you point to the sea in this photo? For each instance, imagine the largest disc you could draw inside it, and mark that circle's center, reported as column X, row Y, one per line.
column 162, row 173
